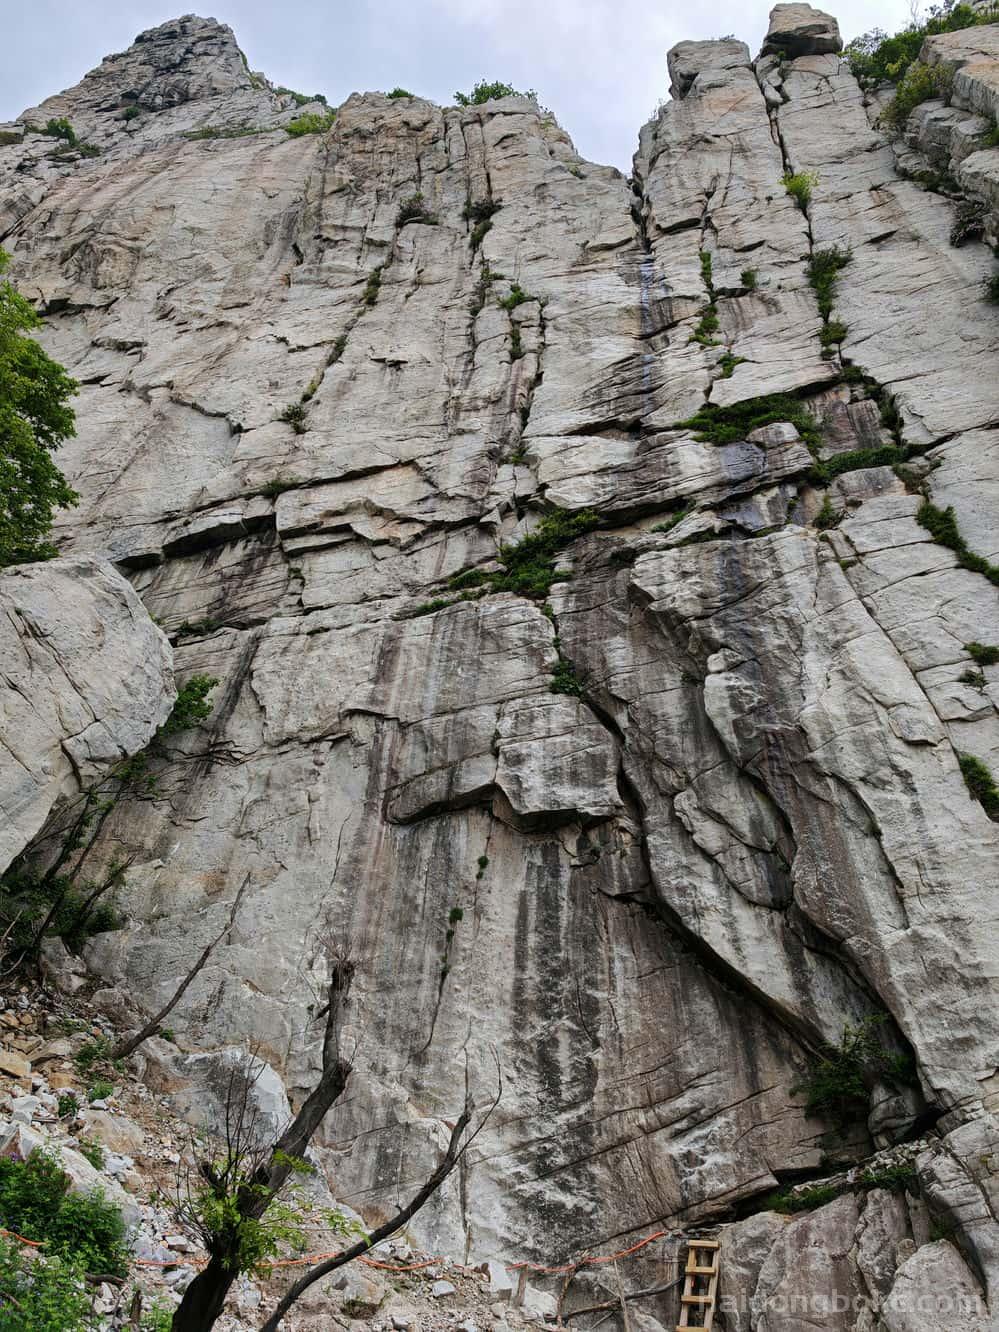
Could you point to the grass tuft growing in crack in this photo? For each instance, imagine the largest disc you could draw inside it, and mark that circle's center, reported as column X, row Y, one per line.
column 823, row 269
column 984, row 654
column 981, row 784
column 799, row 185
column 942, row 527
column 564, row 678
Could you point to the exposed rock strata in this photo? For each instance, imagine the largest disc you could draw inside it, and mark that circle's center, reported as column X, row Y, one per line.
column 749, row 826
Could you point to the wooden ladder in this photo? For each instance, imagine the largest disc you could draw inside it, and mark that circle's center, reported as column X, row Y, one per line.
column 700, row 1287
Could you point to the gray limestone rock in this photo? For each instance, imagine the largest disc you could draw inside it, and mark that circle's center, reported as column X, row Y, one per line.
column 87, row 678
column 696, row 796
column 800, row 30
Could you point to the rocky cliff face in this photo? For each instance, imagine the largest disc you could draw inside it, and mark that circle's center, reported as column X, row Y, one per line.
column 312, row 402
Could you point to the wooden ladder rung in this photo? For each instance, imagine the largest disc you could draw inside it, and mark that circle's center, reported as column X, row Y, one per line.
column 696, row 1270
column 697, row 1299
column 691, row 1328
column 703, row 1244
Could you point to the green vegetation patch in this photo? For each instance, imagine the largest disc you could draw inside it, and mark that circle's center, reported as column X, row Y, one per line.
column 41, row 1294
column 414, row 209
column 312, row 122
column 981, row 784
column 799, row 185
column 35, row 1202
column 728, row 425
column 529, row 564
column 838, row 1083
column 984, row 654
column 823, row 269
column 485, row 91
column 875, row 57
column 942, row 527
column 806, row 1200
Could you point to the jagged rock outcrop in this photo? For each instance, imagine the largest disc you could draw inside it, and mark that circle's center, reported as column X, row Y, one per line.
column 87, row 678
column 307, row 409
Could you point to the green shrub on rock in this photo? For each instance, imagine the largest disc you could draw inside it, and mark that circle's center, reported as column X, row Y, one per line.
column 487, row 92
column 312, row 122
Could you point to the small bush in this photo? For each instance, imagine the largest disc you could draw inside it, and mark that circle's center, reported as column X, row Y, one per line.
column 399, row 92
column 706, row 326
column 312, row 122
column 486, row 92
column 480, row 210
column 749, row 278
column 428, row 607
column 68, row 1106
column 294, row 415
column 985, row 655
column 827, row 516
column 799, row 185
column 35, row 1202
column 728, row 362
column 224, row 132
column 969, row 222
column 191, row 707
column 60, row 129
column 41, row 1295
column 517, row 296
column 838, row 1084
column 706, row 272
column 920, row 83
column 980, row 783
column 529, row 565
column 806, row 1200
column 990, row 289
column 131, row 113
column 833, row 333
column 565, row 680
column 100, row 1091
column 857, row 459
column 414, row 210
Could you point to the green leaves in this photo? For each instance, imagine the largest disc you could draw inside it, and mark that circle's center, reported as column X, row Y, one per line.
column 35, row 1202
column 486, row 92
column 35, row 419
column 45, row 1295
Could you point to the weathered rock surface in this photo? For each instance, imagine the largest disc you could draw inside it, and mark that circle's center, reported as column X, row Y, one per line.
column 744, row 824
column 87, row 678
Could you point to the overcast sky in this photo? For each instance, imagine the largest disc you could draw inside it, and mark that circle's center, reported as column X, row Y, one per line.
column 600, row 65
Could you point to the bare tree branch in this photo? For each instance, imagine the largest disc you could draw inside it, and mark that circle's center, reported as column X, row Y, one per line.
column 128, row 1046
column 451, row 1157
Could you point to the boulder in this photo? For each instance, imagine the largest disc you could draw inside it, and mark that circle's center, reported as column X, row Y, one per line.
column 800, row 30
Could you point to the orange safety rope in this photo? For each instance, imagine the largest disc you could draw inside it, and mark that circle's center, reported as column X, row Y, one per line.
column 588, row 1260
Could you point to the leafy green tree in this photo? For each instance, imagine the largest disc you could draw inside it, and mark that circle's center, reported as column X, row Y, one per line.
column 35, row 418
column 485, row 92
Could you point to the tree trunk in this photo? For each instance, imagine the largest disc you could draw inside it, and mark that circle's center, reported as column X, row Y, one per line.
column 204, row 1297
